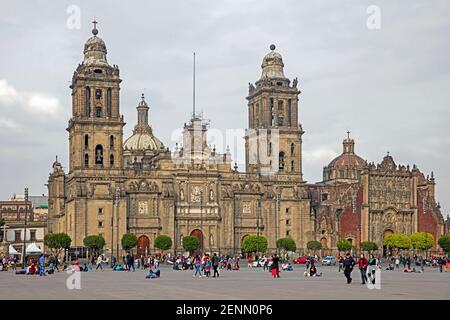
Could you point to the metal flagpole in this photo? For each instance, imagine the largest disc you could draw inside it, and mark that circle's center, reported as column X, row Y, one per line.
column 193, row 91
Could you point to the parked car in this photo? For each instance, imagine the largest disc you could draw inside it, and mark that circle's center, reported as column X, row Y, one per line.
column 300, row 260
column 260, row 263
column 329, row 261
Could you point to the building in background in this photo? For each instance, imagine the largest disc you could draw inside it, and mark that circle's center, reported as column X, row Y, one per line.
column 13, row 213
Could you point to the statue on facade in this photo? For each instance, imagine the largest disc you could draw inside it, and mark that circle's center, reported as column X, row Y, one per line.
column 294, row 83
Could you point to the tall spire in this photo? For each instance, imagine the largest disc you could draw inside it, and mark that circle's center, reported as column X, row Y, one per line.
column 142, row 112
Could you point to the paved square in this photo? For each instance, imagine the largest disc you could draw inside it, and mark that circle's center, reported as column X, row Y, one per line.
column 242, row 284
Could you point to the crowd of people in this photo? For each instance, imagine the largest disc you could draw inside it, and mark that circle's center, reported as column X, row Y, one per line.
column 207, row 265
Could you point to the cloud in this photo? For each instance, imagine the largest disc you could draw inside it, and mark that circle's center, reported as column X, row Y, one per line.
column 35, row 102
column 8, row 124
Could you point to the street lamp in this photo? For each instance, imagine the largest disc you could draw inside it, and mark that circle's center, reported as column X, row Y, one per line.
column 115, row 208
column 24, row 250
column 201, row 218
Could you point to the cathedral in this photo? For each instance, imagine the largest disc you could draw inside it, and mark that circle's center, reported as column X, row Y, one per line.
column 114, row 185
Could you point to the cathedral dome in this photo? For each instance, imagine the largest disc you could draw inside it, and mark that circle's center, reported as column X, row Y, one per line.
column 272, row 65
column 346, row 166
column 142, row 141
column 142, row 138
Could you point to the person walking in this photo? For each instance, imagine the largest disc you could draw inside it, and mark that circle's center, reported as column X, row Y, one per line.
column 363, row 264
column 197, row 265
column 99, row 263
column 441, row 263
column 275, row 266
column 341, row 263
column 348, row 265
column 266, row 264
column 215, row 265
column 42, row 265
column 130, row 262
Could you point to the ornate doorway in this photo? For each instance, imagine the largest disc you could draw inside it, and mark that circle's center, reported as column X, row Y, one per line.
column 199, row 235
column 143, row 247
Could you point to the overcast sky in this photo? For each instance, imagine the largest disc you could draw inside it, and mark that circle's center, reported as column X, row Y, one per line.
column 390, row 86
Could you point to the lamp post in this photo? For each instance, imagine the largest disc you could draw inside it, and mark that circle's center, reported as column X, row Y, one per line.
column 115, row 211
column 24, row 250
column 201, row 218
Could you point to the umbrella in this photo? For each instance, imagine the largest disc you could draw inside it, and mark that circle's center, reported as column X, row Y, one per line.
column 12, row 251
column 33, row 248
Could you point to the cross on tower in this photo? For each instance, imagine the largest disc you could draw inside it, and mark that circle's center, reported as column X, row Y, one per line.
column 95, row 31
column 348, row 135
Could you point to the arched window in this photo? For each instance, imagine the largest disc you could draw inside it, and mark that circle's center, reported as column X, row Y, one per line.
column 99, row 155
column 109, row 102
column 292, row 165
column 281, row 160
column 86, row 141
column 270, row 148
column 98, row 112
column 111, row 160
column 292, row 149
column 111, row 142
column 87, row 102
column 86, row 161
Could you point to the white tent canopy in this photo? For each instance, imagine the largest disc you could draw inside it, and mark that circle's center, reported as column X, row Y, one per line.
column 12, row 251
column 33, row 248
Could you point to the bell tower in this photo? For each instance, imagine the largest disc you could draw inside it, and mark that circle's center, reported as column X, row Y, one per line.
column 273, row 142
column 96, row 127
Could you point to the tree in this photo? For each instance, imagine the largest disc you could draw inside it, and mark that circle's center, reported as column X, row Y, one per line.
column 94, row 243
column 57, row 242
column 398, row 241
column 314, row 245
column 369, row 246
column 286, row 244
column 163, row 243
column 129, row 241
column 344, row 245
column 190, row 243
column 254, row 244
column 422, row 240
column 444, row 242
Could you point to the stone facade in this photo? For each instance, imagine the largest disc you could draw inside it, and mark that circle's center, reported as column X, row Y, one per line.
column 140, row 186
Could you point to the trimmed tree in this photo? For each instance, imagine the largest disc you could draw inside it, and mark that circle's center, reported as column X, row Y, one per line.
column 129, row 241
column 343, row 245
column 191, row 243
column 444, row 243
column 369, row 246
column 397, row 241
column 254, row 244
column 163, row 243
column 57, row 242
column 422, row 241
column 314, row 246
column 94, row 243
column 286, row 244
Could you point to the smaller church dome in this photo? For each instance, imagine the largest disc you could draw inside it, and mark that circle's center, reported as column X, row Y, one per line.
column 348, row 165
column 142, row 141
column 142, row 138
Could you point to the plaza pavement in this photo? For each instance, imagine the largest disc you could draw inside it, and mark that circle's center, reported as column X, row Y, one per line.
column 243, row 284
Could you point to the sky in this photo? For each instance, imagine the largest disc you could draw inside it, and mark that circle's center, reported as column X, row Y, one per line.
column 383, row 74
